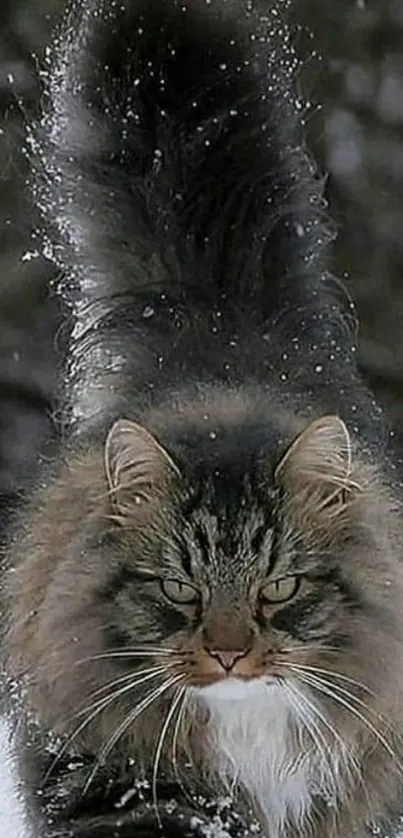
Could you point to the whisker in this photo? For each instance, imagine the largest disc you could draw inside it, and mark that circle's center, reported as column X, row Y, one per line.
column 176, row 700
column 305, row 668
column 128, row 653
column 361, row 781
column 120, row 730
column 322, row 718
column 334, row 693
column 135, row 682
column 351, row 696
column 311, row 647
column 325, row 721
column 346, row 751
column 138, row 647
column 134, row 674
column 175, row 746
column 314, row 731
column 348, row 757
column 295, row 693
column 96, row 708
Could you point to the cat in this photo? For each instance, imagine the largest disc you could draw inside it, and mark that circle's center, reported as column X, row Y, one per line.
column 204, row 630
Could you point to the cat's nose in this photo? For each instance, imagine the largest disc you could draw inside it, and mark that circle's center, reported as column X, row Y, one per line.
column 227, row 657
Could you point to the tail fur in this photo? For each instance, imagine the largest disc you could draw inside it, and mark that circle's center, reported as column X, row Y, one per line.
column 171, row 164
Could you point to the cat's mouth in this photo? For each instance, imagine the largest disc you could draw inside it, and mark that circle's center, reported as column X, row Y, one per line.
column 207, row 681
column 229, row 667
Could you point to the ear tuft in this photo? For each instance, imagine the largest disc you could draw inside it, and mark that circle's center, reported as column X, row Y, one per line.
column 319, row 461
column 137, row 467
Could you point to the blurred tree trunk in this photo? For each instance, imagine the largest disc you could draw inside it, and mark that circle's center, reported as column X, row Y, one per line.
column 358, row 138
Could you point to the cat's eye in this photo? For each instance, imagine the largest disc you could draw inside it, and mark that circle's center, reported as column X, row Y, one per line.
column 178, row 591
column 280, row 590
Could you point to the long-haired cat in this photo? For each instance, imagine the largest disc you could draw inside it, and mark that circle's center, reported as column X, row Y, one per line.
column 205, row 629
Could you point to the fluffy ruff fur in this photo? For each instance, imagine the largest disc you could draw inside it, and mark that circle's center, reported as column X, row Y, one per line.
column 257, row 741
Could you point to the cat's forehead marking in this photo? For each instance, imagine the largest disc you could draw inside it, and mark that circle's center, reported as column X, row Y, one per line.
column 240, row 523
column 235, row 539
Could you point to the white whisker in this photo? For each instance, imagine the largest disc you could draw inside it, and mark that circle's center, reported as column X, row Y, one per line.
column 176, row 700
column 96, row 708
column 134, row 682
column 304, row 712
column 343, row 691
column 337, row 693
column 132, row 676
column 175, row 743
column 321, row 671
column 312, row 647
column 119, row 731
column 352, row 763
column 297, row 699
column 343, row 748
column 128, row 653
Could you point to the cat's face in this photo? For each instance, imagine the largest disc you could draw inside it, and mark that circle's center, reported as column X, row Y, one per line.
column 249, row 585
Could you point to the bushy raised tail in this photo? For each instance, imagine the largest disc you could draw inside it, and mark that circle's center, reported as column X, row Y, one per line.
column 171, row 163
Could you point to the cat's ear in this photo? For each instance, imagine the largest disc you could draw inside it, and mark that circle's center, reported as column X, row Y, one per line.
column 137, row 467
column 318, row 462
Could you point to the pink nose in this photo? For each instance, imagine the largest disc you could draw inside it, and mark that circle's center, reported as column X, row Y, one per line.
column 227, row 657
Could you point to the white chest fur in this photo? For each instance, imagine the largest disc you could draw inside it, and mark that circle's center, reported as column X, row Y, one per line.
column 255, row 742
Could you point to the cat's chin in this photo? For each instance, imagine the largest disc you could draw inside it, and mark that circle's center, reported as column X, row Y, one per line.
column 235, row 688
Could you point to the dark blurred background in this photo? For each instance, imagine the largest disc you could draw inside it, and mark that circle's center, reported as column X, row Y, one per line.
column 355, row 130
